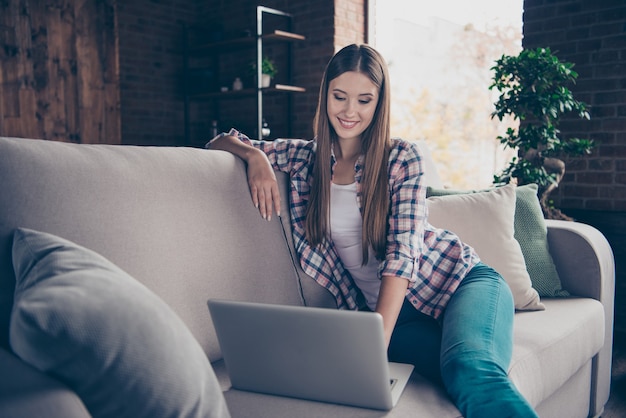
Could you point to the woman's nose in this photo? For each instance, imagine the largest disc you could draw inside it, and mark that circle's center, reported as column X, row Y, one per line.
column 350, row 107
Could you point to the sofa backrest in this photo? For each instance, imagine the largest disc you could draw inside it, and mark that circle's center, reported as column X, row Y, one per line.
column 180, row 220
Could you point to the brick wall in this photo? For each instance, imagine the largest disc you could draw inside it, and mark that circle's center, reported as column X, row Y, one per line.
column 350, row 22
column 150, row 65
column 592, row 35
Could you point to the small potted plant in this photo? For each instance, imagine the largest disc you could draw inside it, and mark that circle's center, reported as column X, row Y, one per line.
column 268, row 71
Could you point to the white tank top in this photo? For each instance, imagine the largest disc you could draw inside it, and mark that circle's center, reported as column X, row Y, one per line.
column 346, row 226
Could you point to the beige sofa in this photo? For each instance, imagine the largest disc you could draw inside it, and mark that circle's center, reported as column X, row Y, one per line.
column 180, row 221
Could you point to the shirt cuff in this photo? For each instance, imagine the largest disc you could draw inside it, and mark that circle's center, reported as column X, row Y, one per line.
column 232, row 132
column 403, row 268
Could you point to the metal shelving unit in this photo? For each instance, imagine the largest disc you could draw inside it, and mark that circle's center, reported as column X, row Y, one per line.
column 238, row 45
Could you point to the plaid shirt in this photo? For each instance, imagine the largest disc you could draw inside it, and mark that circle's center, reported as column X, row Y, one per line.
column 434, row 261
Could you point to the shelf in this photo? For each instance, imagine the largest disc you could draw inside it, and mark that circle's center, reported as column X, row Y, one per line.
column 284, row 36
column 249, row 41
column 278, row 88
column 284, row 87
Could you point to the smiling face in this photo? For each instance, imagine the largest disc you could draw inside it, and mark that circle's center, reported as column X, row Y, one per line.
column 351, row 104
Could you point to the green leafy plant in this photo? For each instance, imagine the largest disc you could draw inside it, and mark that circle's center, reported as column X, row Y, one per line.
column 532, row 88
column 267, row 67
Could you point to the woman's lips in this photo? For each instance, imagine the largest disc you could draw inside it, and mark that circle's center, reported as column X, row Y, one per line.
column 347, row 124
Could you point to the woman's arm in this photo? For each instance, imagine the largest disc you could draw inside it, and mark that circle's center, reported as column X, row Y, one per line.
column 390, row 298
column 406, row 233
column 261, row 177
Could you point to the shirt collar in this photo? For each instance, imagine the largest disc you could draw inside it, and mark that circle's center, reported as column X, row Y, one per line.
column 358, row 165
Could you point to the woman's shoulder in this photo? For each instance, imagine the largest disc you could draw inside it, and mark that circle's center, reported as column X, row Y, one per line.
column 297, row 143
column 296, row 150
column 405, row 151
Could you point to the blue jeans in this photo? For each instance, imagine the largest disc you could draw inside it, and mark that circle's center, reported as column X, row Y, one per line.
column 470, row 351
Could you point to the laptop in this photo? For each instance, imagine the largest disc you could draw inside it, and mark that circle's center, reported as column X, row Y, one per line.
column 317, row 354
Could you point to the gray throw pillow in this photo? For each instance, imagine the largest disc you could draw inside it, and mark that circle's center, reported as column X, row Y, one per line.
column 84, row 321
column 531, row 233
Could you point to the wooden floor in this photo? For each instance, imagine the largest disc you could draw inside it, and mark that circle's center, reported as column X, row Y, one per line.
column 616, row 407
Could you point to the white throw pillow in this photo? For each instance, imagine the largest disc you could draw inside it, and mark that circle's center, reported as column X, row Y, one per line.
column 485, row 220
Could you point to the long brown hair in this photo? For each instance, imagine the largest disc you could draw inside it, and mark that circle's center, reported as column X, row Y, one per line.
column 375, row 145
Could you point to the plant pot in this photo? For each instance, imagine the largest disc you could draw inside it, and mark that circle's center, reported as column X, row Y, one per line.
column 265, row 80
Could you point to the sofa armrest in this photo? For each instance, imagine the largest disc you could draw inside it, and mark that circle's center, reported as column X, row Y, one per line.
column 26, row 392
column 583, row 258
column 586, row 266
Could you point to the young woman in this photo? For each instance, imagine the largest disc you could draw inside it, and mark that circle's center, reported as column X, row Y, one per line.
column 358, row 208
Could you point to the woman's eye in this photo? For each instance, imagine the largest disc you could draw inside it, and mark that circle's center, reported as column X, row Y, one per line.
column 364, row 101
column 339, row 98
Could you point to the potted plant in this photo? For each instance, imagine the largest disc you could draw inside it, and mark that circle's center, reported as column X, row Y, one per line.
column 268, row 71
column 532, row 88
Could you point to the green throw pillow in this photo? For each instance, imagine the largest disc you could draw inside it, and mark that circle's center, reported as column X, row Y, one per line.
column 531, row 233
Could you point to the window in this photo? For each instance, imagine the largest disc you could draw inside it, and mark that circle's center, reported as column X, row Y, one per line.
column 439, row 55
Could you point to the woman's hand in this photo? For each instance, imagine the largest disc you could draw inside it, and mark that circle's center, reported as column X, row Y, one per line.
column 261, row 177
column 263, row 185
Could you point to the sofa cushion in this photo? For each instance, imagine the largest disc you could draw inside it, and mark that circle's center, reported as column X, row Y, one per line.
column 551, row 346
column 83, row 320
column 420, row 398
column 485, row 220
column 27, row 392
column 531, row 233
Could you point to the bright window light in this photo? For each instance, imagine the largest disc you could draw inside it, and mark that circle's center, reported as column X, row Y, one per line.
column 439, row 55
